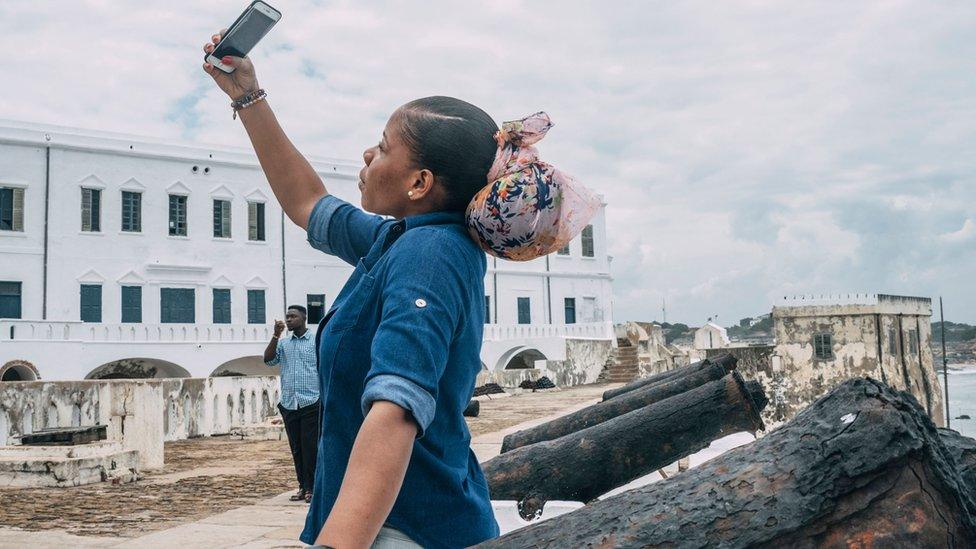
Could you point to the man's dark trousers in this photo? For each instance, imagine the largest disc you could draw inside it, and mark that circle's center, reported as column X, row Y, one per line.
column 302, row 428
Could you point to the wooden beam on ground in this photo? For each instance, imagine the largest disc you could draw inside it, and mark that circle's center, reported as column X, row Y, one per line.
column 588, row 463
column 603, row 411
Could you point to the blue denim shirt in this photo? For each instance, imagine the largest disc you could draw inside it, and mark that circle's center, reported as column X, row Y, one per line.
column 406, row 328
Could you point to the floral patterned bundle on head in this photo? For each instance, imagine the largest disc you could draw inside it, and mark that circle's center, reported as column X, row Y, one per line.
column 529, row 208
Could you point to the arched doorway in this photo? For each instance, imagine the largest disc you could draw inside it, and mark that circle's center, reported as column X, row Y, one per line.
column 524, row 359
column 245, row 366
column 18, row 370
column 138, row 368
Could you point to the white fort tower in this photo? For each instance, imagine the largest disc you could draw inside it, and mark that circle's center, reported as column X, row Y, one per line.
column 125, row 256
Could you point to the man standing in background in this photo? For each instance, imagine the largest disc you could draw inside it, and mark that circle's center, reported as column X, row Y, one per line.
column 299, row 403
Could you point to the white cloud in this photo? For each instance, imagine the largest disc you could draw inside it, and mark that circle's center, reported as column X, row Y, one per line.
column 746, row 150
column 964, row 234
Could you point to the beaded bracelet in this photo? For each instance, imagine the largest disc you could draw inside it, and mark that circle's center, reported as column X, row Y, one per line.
column 247, row 100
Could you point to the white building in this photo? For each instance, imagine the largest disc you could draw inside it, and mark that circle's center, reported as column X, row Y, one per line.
column 711, row 336
column 129, row 256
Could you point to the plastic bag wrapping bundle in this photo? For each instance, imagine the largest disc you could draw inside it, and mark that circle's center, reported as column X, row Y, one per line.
column 529, row 208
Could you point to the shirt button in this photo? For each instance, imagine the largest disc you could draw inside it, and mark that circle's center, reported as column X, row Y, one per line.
column 420, row 303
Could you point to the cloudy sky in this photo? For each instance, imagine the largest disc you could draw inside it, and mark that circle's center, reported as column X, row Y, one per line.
column 748, row 150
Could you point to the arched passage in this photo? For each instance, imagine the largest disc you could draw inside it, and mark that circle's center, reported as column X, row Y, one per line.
column 18, row 370
column 520, row 358
column 245, row 366
column 138, row 368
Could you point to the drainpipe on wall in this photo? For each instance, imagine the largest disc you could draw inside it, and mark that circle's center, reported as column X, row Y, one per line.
column 548, row 291
column 284, row 280
column 945, row 364
column 494, row 286
column 47, row 209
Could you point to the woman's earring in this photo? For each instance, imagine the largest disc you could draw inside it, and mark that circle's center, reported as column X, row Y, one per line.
column 410, row 193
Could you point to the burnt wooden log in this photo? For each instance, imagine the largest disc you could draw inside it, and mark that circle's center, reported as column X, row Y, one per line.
column 862, row 467
column 591, row 462
column 963, row 451
column 728, row 361
column 603, row 411
column 472, row 409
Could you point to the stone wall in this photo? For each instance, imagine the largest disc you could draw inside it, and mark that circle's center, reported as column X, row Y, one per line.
column 794, row 377
column 885, row 345
column 585, row 359
column 140, row 414
column 508, row 378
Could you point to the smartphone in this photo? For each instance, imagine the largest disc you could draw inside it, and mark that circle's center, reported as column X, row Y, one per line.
column 249, row 28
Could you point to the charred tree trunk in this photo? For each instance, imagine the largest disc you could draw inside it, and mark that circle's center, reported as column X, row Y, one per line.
column 472, row 409
column 963, row 450
column 863, row 466
column 591, row 462
column 728, row 361
column 598, row 413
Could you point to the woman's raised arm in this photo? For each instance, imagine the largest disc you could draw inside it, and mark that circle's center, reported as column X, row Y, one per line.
column 294, row 182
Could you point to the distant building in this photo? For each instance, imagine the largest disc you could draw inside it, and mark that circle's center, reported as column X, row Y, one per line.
column 127, row 256
column 821, row 343
column 711, row 336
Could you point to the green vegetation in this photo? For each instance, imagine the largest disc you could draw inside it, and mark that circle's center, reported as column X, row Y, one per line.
column 954, row 331
column 676, row 331
column 763, row 328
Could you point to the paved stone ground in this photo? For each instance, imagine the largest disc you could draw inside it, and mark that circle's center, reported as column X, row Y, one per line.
column 221, row 492
column 202, row 477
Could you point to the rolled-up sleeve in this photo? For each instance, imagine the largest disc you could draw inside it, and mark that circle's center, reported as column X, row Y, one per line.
column 421, row 307
column 277, row 358
column 338, row 228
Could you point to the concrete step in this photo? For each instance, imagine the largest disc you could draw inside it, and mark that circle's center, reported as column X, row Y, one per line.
column 620, row 377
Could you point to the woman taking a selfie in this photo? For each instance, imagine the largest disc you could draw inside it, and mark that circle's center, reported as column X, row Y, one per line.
column 399, row 350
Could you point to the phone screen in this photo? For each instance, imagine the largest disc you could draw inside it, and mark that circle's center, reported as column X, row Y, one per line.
column 240, row 39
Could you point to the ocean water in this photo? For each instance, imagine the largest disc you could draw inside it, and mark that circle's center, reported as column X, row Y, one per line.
column 962, row 398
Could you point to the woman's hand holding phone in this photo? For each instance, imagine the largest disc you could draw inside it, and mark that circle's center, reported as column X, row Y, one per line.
column 240, row 82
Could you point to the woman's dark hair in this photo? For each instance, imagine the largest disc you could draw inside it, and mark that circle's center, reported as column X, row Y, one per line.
column 454, row 140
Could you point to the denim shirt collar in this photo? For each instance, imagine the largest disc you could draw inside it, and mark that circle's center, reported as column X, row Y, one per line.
column 396, row 230
column 432, row 218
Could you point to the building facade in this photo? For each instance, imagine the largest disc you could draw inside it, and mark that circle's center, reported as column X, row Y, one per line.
column 823, row 342
column 140, row 256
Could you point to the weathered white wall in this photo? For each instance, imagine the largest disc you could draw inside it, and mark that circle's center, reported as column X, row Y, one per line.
column 585, row 359
column 141, row 414
column 794, row 378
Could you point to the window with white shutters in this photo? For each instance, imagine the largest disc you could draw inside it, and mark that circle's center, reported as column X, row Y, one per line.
column 221, row 219
column 11, row 209
column 255, row 221
column 586, row 237
column 177, row 215
column 91, row 210
column 131, row 212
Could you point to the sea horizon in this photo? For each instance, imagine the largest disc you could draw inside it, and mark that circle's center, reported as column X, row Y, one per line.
column 962, row 398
